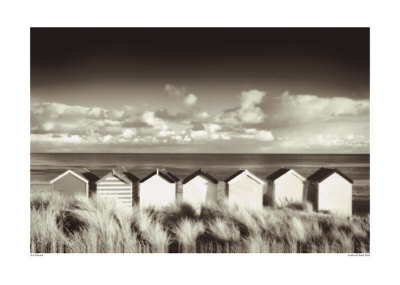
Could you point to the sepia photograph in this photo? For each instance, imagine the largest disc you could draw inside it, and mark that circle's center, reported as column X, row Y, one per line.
column 199, row 140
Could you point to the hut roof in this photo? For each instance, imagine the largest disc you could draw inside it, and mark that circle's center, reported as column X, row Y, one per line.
column 243, row 172
column 89, row 175
column 127, row 173
column 323, row 173
column 76, row 173
column 282, row 171
column 278, row 174
column 125, row 177
column 166, row 175
column 130, row 176
column 201, row 173
column 234, row 175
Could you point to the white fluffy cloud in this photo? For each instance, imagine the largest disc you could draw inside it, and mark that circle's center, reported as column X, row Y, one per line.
column 281, row 123
column 181, row 91
column 262, row 135
column 287, row 109
column 203, row 115
column 129, row 133
column 190, row 99
column 248, row 112
column 175, row 90
column 212, row 132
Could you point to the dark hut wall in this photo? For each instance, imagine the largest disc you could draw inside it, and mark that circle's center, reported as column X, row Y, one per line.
column 70, row 185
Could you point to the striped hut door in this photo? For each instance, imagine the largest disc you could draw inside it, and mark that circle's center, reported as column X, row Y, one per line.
column 114, row 188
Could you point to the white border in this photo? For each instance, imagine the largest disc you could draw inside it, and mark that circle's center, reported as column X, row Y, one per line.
column 381, row 267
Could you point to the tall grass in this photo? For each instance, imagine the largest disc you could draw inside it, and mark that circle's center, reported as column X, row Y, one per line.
column 80, row 225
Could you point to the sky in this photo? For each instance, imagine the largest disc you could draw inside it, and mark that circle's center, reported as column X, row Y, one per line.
column 197, row 90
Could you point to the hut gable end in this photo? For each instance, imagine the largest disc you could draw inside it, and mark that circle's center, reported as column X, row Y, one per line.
column 323, row 173
column 70, row 183
column 166, row 175
column 236, row 176
column 69, row 172
column 334, row 178
column 277, row 174
column 245, row 189
column 114, row 175
column 157, row 189
column 117, row 187
column 330, row 190
column 202, row 174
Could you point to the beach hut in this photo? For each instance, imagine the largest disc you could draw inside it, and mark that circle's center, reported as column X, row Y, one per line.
column 117, row 186
column 73, row 182
column 285, row 186
column 199, row 187
column 244, row 189
column 328, row 189
column 159, row 188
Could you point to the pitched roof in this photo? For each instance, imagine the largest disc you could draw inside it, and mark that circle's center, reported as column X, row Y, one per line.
column 73, row 172
column 283, row 171
column 234, row 175
column 166, row 175
column 165, row 171
column 130, row 176
column 277, row 174
column 90, row 176
column 201, row 173
column 117, row 174
column 323, row 173
column 246, row 172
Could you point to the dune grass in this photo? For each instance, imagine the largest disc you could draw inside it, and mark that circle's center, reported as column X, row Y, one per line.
column 80, row 225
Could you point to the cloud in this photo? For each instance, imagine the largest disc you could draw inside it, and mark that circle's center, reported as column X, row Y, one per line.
column 248, row 112
column 107, row 138
column 46, row 138
column 290, row 110
column 212, row 132
column 190, row 99
column 197, row 126
column 203, row 115
column 175, row 90
column 253, row 133
column 258, row 123
column 129, row 133
column 150, row 118
column 204, row 131
column 166, row 115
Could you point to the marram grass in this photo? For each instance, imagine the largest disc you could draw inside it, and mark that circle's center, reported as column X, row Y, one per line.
column 79, row 225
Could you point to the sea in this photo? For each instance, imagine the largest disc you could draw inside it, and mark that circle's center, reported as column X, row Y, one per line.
column 46, row 166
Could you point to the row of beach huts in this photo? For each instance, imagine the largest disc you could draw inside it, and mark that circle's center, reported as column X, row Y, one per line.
column 328, row 189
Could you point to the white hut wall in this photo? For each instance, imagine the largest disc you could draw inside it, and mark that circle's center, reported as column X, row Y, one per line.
column 335, row 195
column 246, row 192
column 157, row 191
column 288, row 189
column 199, row 190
